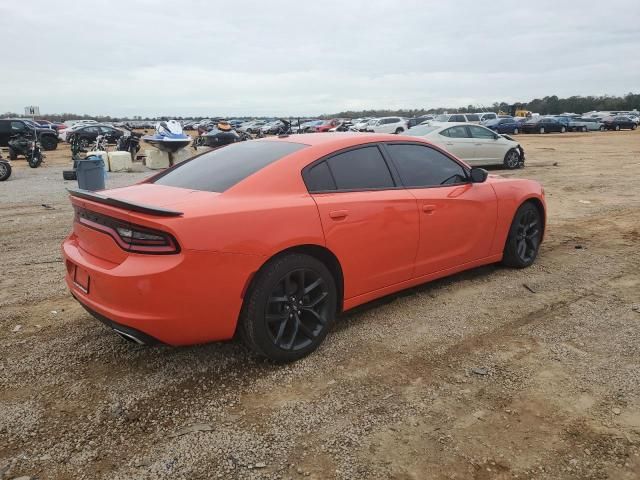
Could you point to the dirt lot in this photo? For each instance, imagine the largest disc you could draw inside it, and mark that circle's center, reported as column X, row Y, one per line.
column 475, row 376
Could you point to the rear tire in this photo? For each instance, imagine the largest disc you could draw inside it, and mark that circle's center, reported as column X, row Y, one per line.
column 633, row 127
column 69, row 175
column 563, row 129
column 12, row 154
column 541, row 129
column 289, row 308
column 525, row 234
column 602, row 128
column 48, row 142
column 584, row 129
column 399, row 130
column 516, row 131
column 617, row 128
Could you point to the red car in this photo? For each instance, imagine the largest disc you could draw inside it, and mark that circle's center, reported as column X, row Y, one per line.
column 273, row 238
column 327, row 125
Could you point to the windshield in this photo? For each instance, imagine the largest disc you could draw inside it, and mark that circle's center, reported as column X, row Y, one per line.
column 420, row 130
column 220, row 169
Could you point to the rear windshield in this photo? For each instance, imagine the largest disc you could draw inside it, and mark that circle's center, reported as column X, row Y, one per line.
column 220, row 169
column 420, row 130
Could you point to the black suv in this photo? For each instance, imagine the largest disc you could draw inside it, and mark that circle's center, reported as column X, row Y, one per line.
column 12, row 126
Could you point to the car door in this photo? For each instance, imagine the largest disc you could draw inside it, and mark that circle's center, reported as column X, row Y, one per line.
column 5, row 132
column 488, row 148
column 370, row 222
column 457, row 217
column 457, row 140
column 108, row 133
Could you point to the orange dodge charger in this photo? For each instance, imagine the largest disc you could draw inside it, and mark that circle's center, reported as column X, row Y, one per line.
column 273, row 238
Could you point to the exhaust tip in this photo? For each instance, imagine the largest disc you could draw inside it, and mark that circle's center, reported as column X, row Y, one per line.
column 129, row 337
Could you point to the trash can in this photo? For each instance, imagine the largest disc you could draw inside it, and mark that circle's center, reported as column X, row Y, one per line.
column 90, row 173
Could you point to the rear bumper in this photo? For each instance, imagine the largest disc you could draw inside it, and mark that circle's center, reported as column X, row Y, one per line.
column 129, row 333
column 183, row 299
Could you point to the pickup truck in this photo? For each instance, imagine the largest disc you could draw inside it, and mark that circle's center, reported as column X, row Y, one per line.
column 11, row 126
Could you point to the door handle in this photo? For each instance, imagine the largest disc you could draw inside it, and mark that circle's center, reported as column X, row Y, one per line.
column 428, row 208
column 338, row 214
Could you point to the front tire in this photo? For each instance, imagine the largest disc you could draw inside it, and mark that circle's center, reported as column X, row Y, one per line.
column 399, row 130
column 633, row 127
column 602, row 128
column 525, row 234
column 541, row 129
column 584, row 129
column 563, row 129
column 512, row 159
column 617, row 128
column 5, row 170
column 290, row 308
column 516, row 131
column 12, row 154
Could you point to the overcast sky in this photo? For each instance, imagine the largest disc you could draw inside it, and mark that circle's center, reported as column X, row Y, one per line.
column 273, row 57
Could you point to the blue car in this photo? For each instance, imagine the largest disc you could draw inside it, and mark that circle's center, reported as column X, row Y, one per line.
column 503, row 125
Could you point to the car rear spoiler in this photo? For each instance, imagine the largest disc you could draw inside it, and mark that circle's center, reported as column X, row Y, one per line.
column 114, row 202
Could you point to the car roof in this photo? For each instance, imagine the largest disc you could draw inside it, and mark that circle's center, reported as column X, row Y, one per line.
column 337, row 138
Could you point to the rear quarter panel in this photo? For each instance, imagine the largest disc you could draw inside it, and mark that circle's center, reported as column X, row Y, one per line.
column 511, row 193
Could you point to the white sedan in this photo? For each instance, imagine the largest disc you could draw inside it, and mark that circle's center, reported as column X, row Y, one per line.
column 474, row 144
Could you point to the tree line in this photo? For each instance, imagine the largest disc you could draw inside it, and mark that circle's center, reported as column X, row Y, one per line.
column 550, row 105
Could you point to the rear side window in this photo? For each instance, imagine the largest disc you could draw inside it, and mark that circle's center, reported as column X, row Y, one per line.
column 472, row 117
column 220, row 169
column 360, row 169
column 318, row 178
column 458, row 118
column 459, row 131
column 421, row 166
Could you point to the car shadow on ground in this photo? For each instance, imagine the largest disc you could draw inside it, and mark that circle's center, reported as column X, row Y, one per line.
column 430, row 288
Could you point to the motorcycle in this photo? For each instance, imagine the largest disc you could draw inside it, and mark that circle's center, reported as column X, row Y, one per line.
column 27, row 145
column 5, row 169
column 129, row 142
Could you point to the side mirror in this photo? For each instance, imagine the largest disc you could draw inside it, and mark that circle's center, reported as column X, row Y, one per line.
column 478, row 175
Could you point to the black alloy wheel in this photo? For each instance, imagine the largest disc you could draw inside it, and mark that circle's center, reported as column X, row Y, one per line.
column 524, row 237
column 290, row 307
column 296, row 311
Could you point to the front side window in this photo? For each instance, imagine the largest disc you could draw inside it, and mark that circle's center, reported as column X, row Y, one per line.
column 360, row 169
column 220, row 169
column 472, row 117
column 18, row 126
column 422, row 166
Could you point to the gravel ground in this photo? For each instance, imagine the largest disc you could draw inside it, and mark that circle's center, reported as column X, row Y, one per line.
column 490, row 374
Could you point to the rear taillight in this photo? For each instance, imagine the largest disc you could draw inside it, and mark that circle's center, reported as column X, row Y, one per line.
column 128, row 236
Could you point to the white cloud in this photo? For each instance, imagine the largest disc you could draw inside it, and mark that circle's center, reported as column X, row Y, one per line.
column 296, row 58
